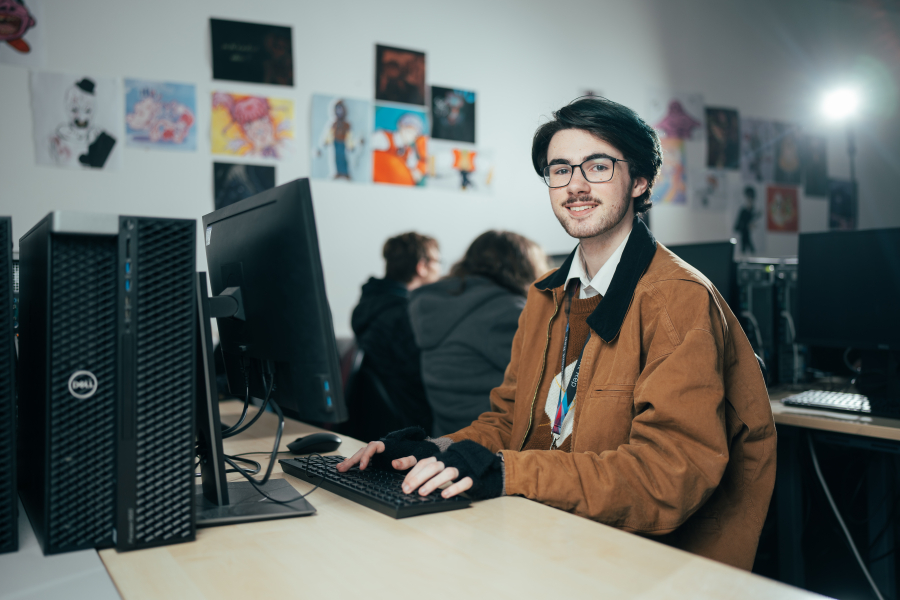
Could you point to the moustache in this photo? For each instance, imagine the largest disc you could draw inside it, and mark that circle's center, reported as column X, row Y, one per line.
column 581, row 198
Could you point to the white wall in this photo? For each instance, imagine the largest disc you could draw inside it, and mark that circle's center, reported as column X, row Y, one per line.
column 768, row 59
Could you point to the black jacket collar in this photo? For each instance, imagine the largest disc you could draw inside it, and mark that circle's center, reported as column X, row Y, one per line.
column 607, row 318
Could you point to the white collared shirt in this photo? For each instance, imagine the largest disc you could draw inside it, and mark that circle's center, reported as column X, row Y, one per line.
column 600, row 283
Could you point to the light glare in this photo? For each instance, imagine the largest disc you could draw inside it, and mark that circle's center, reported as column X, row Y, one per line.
column 840, row 104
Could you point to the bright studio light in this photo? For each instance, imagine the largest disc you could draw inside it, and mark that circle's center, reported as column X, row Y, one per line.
column 840, row 104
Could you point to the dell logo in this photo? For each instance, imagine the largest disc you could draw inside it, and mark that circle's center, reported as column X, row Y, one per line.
column 82, row 384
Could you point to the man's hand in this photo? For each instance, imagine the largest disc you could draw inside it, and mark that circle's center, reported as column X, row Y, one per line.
column 429, row 474
column 362, row 457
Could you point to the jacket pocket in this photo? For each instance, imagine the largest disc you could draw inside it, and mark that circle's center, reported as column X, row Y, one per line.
column 613, row 390
column 605, row 419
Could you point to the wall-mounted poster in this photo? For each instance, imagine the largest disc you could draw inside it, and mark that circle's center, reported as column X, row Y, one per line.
column 77, row 121
column 815, row 165
column 452, row 115
column 745, row 213
column 399, row 146
column 22, row 33
column 340, row 128
column 842, row 204
column 723, row 138
column 399, row 75
column 160, row 115
column 234, row 182
column 459, row 167
column 709, row 189
column 757, row 150
column 788, row 167
column 251, row 125
column 782, row 209
column 679, row 116
column 671, row 187
column 252, row 52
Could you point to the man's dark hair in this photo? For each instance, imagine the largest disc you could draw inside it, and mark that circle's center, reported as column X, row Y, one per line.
column 504, row 257
column 614, row 124
column 403, row 253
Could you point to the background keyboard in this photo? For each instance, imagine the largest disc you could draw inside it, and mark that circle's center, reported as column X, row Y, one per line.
column 830, row 401
column 373, row 488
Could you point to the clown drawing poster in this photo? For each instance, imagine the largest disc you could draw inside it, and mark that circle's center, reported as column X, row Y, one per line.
column 340, row 129
column 22, row 29
column 461, row 167
column 399, row 146
column 251, row 126
column 160, row 115
column 77, row 121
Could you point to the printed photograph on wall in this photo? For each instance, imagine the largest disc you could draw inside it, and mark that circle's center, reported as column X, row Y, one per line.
column 842, row 204
column 723, row 138
column 399, row 146
column 234, row 182
column 340, row 129
column 788, row 166
column 160, row 115
column 815, row 165
column 461, row 167
column 399, row 75
column 452, row 115
column 676, row 115
column 782, row 209
column 251, row 126
column 671, row 186
column 251, row 52
column 746, row 203
column 757, row 150
column 709, row 189
column 22, row 30
column 77, row 121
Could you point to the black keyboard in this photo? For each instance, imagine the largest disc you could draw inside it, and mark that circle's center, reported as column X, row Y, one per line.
column 374, row 488
column 841, row 401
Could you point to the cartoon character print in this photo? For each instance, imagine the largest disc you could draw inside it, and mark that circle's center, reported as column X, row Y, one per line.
column 162, row 121
column 77, row 142
column 15, row 20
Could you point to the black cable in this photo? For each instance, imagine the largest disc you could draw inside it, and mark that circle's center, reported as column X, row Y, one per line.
column 263, row 452
column 229, row 431
column 261, row 410
column 257, row 487
column 257, row 466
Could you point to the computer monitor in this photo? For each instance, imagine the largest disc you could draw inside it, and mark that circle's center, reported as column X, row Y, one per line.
column 263, row 252
column 716, row 261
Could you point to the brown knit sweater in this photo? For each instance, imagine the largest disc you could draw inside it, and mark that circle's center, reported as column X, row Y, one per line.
column 540, row 437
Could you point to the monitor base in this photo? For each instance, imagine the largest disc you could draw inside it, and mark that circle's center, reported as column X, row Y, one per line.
column 247, row 505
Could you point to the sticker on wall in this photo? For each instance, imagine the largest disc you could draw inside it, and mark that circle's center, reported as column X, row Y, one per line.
column 745, row 212
column 160, row 115
column 459, row 167
column 251, row 126
column 678, row 116
column 788, row 166
column 723, row 138
column 842, row 205
column 22, row 29
column 252, row 52
column 671, row 187
column 815, row 166
column 235, row 182
column 709, row 189
column 340, row 128
column 399, row 75
column 400, row 146
column 757, row 150
column 782, row 209
column 452, row 115
column 77, row 121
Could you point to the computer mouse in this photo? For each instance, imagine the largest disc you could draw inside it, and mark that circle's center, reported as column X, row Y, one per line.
column 324, row 441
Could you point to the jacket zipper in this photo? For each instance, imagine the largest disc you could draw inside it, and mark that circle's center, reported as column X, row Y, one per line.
column 541, row 377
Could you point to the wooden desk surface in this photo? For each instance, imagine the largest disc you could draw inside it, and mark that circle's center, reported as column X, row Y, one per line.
column 827, row 420
column 501, row 548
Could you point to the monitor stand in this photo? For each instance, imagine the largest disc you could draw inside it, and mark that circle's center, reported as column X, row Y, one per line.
column 216, row 501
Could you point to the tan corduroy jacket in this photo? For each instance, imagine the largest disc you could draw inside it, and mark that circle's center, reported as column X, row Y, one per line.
column 673, row 434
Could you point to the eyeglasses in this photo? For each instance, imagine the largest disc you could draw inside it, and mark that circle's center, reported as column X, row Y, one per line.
column 595, row 170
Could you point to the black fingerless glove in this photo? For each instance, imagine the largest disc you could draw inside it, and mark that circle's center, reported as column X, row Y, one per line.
column 483, row 466
column 405, row 442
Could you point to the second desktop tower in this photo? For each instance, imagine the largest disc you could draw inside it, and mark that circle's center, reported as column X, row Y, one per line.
column 107, row 382
column 9, row 526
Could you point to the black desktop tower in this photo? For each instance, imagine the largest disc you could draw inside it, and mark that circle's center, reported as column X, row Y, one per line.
column 758, row 311
column 9, row 526
column 105, row 407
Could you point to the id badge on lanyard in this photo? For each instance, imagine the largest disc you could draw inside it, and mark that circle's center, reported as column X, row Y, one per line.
column 567, row 390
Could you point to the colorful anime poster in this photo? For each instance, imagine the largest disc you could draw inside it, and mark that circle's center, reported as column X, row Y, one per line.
column 815, row 166
column 452, row 115
column 461, row 167
column 723, row 138
column 233, row 182
column 709, row 189
column 22, row 28
column 782, row 209
column 77, row 121
column 399, row 75
column 788, row 145
column 758, row 139
column 678, row 116
column 671, row 186
column 399, row 146
column 252, row 52
column 842, row 204
column 160, row 115
column 340, row 130
column 251, row 126
column 745, row 214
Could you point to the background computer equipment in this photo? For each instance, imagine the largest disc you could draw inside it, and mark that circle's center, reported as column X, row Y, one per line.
column 716, row 261
column 9, row 527
column 265, row 249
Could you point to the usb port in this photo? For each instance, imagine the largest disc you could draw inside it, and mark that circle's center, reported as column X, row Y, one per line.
column 127, row 267
column 127, row 285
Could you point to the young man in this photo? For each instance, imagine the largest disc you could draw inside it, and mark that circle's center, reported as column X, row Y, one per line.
column 383, row 331
column 632, row 396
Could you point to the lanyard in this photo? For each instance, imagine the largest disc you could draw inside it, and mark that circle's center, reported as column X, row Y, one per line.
column 567, row 391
